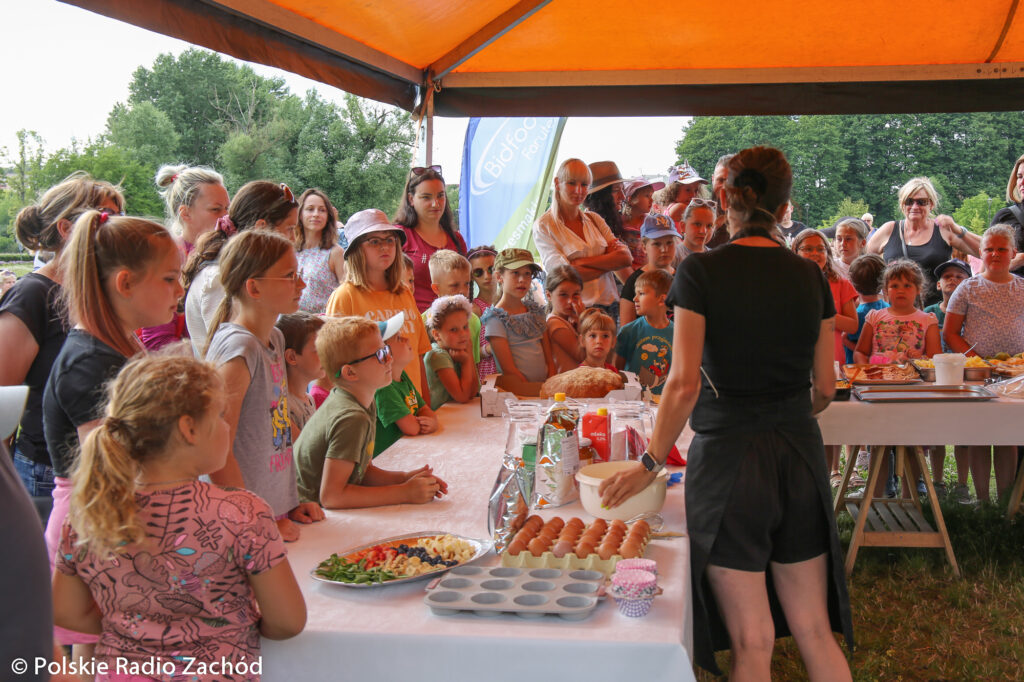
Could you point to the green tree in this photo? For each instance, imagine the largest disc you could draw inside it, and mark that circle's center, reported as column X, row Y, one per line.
column 975, row 213
column 112, row 164
column 847, row 208
column 24, row 164
column 144, row 132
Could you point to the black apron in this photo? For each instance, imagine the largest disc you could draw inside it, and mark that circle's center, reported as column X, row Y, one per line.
column 726, row 428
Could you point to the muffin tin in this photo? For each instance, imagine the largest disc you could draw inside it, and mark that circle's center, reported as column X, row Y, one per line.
column 526, row 593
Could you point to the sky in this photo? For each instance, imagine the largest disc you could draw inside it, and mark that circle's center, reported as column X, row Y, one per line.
column 63, row 76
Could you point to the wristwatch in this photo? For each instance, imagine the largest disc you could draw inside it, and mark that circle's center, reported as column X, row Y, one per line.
column 963, row 232
column 650, row 463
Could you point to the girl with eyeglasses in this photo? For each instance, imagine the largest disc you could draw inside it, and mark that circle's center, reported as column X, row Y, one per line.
column 427, row 221
column 257, row 205
column 261, row 281
column 375, row 288
column 926, row 240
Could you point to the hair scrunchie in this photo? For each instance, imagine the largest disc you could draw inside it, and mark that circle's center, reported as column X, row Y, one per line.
column 104, row 217
column 753, row 179
column 226, row 225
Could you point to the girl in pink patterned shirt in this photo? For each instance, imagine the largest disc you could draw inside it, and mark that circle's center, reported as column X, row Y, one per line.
column 162, row 566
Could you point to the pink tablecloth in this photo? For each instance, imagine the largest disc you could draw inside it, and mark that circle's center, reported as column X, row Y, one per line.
column 388, row 633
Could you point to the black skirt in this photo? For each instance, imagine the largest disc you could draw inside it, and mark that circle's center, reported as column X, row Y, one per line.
column 727, row 431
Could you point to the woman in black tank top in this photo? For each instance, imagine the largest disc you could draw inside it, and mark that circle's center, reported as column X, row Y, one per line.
column 927, row 241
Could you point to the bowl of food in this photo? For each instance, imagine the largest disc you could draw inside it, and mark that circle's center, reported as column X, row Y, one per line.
column 650, row 500
column 976, row 369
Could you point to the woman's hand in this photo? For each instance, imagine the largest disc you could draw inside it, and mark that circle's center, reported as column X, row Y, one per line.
column 624, row 485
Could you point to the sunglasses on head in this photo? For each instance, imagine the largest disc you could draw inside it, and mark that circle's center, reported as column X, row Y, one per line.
column 420, row 170
column 920, row 202
column 698, row 201
column 479, row 272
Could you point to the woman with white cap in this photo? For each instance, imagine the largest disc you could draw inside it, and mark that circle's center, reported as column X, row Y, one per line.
column 567, row 235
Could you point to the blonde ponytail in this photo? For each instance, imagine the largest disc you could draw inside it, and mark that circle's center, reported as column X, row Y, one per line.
column 145, row 402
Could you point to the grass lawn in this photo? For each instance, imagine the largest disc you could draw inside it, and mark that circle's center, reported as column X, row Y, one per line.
column 913, row 620
column 19, row 268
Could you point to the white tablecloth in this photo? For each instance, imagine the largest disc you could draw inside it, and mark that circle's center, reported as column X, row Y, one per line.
column 996, row 422
column 388, row 633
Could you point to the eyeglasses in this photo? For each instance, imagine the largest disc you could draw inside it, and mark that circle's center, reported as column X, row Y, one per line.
column 812, row 249
column 382, row 354
column 923, row 203
column 420, row 170
column 289, row 198
column 380, row 242
column 479, row 272
column 293, row 278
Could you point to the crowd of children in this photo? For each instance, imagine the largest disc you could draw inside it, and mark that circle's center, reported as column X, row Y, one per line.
column 308, row 359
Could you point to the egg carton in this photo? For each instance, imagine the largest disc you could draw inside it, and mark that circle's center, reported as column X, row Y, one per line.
column 569, row 562
column 528, row 593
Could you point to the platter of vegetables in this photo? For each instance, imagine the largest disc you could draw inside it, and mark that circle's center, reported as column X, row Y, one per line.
column 399, row 559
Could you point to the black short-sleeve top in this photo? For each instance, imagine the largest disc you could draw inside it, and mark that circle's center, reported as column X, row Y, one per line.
column 763, row 308
column 35, row 300
column 75, row 393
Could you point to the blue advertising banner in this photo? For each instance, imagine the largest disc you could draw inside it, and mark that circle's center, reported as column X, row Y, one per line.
column 507, row 167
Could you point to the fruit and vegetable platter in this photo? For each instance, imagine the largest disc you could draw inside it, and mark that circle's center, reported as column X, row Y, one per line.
column 399, row 559
column 1007, row 365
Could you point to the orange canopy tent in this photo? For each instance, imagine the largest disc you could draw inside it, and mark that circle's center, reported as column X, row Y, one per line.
column 606, row 57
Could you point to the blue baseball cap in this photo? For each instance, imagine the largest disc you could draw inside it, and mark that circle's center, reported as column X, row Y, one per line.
column 392, row 325
column 657, row 225
column 953, row 263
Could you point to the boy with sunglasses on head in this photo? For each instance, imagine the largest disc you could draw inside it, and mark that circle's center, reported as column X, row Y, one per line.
column 334, row 453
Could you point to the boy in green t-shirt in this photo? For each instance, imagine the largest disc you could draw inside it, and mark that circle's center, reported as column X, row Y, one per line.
column 400, row 408
column 334, row 454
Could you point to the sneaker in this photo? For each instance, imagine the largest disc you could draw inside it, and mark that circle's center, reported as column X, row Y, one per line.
column 940, row 489
column 962, row 494
column 892, row 486
column 922, row 489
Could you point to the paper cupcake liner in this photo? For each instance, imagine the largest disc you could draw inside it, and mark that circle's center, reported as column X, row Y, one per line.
column 648, row 565
column 634, row 608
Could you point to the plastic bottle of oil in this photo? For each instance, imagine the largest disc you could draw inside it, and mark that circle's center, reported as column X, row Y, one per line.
column 557, row 456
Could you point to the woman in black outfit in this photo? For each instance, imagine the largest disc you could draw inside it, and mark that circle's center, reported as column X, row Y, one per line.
column 758, row 507
column 927, row 241
column 1013, row 215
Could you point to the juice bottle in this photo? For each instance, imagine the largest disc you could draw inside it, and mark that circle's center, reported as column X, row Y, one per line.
column 557, row 456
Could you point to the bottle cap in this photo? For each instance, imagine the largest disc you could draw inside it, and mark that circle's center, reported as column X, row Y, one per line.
column 602, row 411
column 559, row 397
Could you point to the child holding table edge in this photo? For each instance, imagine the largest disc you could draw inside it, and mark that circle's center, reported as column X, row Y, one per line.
column 644, row 346
column 986, row 311
column 401, row 410
column 375, row 286
column 121, row 274
column 156, row 562
column 260, row 274
column 659, row 238
column 451, row 373
column 515, row 325
column 597, row 339
column 302, row 363
column 564, row 289
column 334, row 454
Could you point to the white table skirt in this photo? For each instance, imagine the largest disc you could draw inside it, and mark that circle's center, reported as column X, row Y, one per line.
column 996, row 422
column 388, row 633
